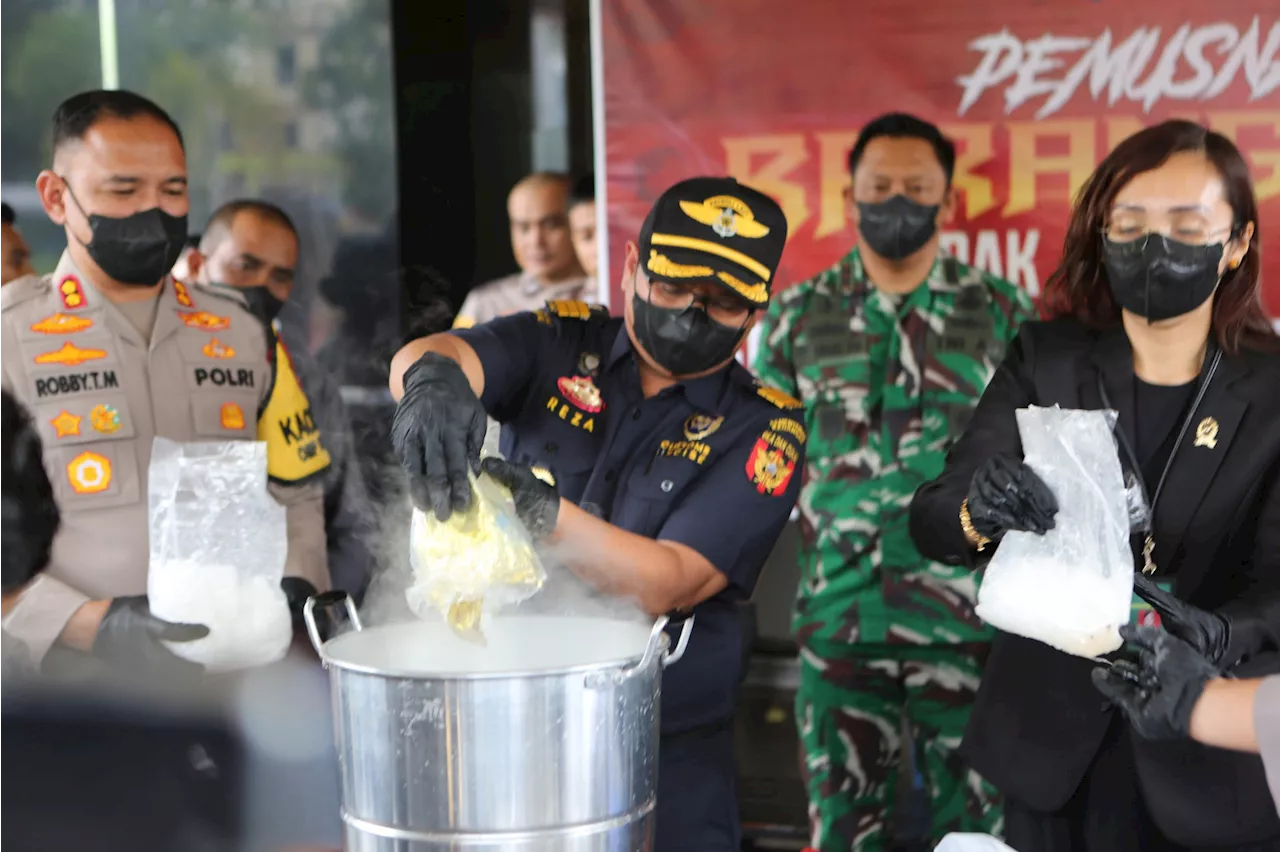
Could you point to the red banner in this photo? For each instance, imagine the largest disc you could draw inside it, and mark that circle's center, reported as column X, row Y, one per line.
column 1034, row 93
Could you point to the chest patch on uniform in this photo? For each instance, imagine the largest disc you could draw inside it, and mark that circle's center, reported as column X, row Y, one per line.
column 582, row 392
column 789, row 427
column 570, row 415
column 778, row 398
column 66, row 424
column 695, row 451
column 223, row 377
column 180, row 293
column 89, row 473
column 214, row 349
column 70, row 355
column 61, row 323
column 294, row 450
column 700, row 426
column 76, row 383
column 772, row 462
column 203, row 320
column 105, row 419
column 71, row 293
column 231, row 416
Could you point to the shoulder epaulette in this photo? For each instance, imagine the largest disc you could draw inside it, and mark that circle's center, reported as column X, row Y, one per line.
column 779, row 399
column 574, row 309
column 22, row 289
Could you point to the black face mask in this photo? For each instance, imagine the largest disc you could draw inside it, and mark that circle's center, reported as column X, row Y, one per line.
column 139, row 249
column 1159, row 277
column 898, row 227
column 683, row 341
column 262, row 304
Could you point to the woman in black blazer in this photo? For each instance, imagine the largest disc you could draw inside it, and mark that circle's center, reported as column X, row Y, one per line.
column 1157, row 315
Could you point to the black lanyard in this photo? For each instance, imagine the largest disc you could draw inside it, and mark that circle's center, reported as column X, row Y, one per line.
column 1149, row 546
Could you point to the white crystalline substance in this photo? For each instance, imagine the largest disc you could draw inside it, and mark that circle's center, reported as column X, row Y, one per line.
column 1065, row 610
column 248, row 617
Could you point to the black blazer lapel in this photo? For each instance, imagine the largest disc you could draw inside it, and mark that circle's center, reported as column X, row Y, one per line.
column 1199, row 454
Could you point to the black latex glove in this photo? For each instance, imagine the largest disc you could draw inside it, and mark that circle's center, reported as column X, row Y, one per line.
column 537, row 502
column 1007, row 495
column 130, row 635
column 438, row 432
column 1160, row 691
column 1207, row 632
column 297, row 591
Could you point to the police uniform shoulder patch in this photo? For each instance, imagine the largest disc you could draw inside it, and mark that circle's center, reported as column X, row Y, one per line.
column 23, row 289
column 777, row 398
column 573, row 309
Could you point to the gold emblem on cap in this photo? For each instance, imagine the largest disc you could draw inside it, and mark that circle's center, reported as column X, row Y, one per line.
column 727, row 216
column 751, row 292
column 661, row 265
column 1207, row 433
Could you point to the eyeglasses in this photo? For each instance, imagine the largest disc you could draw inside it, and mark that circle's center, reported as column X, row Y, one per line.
column 723, row 308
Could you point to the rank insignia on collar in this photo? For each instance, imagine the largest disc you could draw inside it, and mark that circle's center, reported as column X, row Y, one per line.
column 232, row 416
column 105, row 419
column 60, row 323
column 768, row 468
column 66, row 425
column 70, row 355
column 1207, row 433
column 89, row 473
column 582, row 392
column 588, row 363
column 203, row 320
column 71, row 292
column 214, row 349
column 699, row 426
column 180, row 293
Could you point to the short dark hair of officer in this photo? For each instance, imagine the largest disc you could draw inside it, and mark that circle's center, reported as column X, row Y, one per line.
column 900, row 125
column 703, row 268
column 77, row 114
column 30, row 514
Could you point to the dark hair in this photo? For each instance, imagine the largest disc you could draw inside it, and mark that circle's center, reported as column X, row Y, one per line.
column 219, row 224
column 30, row 515
column 1078, row 287
column 900, row 125
column 77, row 114
column 584, row 191
column 7, row 216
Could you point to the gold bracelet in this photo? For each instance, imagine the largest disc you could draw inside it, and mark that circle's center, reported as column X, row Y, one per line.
column 966, row 524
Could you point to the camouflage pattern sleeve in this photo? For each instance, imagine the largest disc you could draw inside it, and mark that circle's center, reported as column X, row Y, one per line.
column 1011, row 306
column 772, row 363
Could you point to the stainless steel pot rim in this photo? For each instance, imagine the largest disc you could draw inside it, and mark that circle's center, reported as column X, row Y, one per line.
column 500, row 838
column 521, row 674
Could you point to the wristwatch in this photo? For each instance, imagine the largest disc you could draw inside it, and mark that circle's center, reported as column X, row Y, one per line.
column 966, row 524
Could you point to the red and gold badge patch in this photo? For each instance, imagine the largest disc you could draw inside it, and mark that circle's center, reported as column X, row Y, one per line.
column 180, row 293
column 71, row 292
column 582, row 392
column 60, row 323
column 768, row 468
column 89, row 473
column 105, row 419
column 203, row 320
column 214, row 349
column 66, row 425
column 232, row 416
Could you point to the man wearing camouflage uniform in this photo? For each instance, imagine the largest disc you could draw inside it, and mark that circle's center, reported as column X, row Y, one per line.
column 889, row 350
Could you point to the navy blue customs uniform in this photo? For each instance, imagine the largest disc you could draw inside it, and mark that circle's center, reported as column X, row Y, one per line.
column 648, row 423
column 712, row 463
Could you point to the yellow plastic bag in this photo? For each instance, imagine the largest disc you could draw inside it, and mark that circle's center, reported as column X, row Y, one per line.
column 476, row 562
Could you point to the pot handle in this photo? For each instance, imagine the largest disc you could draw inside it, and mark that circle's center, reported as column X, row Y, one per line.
column 598, row 680
column 682, row 641
column 323, row 601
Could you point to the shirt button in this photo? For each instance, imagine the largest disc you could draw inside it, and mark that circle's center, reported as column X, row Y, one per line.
column 610, row 476
column 667, row 485
column 635, row 415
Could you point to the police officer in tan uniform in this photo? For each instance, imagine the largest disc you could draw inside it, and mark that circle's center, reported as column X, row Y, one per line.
column 538, row 209
column 109, row 352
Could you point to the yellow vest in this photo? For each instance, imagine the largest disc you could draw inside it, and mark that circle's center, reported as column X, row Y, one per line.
column 294, row 451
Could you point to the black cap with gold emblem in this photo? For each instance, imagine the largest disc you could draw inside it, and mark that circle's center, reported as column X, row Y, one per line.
column 715, row 229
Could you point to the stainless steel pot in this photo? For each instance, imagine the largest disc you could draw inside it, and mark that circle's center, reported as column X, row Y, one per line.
column 545, row 740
